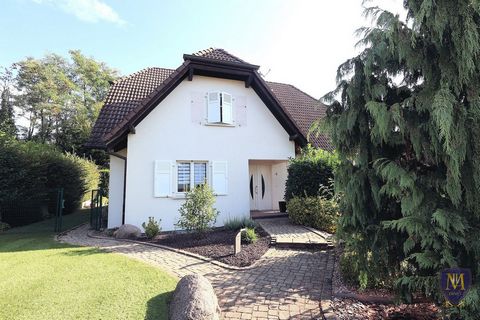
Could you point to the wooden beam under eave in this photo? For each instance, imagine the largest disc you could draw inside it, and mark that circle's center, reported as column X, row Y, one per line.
column 131, row 129
column 190, row 74
column 248, row 82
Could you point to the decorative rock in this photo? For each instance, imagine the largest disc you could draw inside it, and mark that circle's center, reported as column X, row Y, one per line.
column 194, row 299
column 128, row 231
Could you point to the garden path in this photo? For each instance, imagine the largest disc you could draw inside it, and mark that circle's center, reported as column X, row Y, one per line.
column 285, row 232
column 284, row 284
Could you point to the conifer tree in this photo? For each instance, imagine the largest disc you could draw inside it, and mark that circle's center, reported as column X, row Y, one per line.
column 405, row 120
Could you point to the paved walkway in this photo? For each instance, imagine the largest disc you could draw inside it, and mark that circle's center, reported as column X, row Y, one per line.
column 286, row 232
column 285, row 284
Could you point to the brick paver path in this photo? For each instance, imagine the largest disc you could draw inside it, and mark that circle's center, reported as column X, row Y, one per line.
column 285, row 284
column 286, row 232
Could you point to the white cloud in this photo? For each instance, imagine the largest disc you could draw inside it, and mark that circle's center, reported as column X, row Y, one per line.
column 87, row 10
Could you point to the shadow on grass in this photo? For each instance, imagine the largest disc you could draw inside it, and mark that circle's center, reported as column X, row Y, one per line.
column 158, row 306
column 83, row 252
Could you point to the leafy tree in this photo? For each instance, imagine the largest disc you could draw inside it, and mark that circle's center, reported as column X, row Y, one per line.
column 7, row 114
column 406, row 126
column 61, row 98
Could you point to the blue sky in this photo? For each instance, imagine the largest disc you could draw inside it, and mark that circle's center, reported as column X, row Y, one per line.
column 297, row 42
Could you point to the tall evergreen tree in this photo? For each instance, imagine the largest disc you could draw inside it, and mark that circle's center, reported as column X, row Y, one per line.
column 7, row 114
column 405, row 119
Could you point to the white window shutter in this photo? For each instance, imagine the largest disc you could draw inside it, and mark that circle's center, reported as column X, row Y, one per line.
column 220, row 177
column 162, row 182
column 213, row 112
column 227, row 108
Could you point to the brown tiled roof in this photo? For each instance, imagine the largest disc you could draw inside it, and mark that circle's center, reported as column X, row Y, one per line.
column 127, row 94
column 218, row 54
column 124, row 96
column 303, row 109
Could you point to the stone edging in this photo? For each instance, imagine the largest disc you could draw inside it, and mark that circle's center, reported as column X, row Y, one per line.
column 320, row 233
column 185, row 253
column 327, row 291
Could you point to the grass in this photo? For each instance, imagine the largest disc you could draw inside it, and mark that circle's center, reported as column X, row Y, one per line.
column 43, row 279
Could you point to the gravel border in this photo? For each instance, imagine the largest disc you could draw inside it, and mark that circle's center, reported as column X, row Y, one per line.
column 186, row 253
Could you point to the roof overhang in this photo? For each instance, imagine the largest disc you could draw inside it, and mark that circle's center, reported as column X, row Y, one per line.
column 194, row 65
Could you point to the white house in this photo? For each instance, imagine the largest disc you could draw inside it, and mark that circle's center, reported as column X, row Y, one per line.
column 214, row 120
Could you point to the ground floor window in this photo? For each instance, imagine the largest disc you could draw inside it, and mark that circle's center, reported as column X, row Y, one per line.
column 190, row 174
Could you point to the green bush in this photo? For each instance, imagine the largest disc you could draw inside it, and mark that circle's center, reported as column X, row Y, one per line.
column 197, row 212
column 152, row 228
column 317, row 212
column 4, row 226
column 29, row 172
column 309, row 171
column 249, row 235
column 239, row 223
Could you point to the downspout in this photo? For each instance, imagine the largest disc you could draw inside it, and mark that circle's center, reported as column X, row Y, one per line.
column 124, row 182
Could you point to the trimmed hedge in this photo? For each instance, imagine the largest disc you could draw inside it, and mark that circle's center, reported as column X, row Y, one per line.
column 310, row 171
column 316, row 212
column 29, row 171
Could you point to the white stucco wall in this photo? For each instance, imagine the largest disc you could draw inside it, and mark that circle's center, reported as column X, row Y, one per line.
column 115, row 190
column 168, row 133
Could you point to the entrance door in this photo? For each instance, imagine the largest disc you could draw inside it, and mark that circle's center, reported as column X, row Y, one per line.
column 260, row 187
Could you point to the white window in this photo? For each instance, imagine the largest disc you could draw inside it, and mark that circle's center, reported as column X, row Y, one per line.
column 173, row 178
column 220, row 108
column 190, row 175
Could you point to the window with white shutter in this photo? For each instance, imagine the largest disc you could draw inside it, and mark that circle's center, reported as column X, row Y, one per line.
column 226, row 108
column 220, row 177
column 213, row 112
column 162, row 178
column 220, row 108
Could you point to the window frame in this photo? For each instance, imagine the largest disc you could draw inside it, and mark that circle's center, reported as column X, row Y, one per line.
column 221, row 110
column 192, row 174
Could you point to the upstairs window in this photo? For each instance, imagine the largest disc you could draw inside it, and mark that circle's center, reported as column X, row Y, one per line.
column 220, row 108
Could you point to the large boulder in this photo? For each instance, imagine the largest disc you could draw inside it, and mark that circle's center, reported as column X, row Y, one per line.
column 194, row 299
column 128, row 231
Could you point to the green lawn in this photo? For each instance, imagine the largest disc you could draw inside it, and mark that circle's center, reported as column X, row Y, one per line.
column 44, row 279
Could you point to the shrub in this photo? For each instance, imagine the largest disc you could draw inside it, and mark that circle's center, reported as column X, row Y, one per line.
column 152, row 228
column 249, row 235
column 4, row 226
column 29, row 171
column 197, row 212
column 239, row 223
column 317, row 212
column 353, row 275
column 308, row 172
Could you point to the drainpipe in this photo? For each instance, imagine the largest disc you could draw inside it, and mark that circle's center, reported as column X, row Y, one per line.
column 124, row 181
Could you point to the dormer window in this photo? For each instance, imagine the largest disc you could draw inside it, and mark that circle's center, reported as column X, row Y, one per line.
column 220, row 109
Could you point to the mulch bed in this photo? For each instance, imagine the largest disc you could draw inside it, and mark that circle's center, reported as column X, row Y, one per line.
column 216, row 244
column 346, row 308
